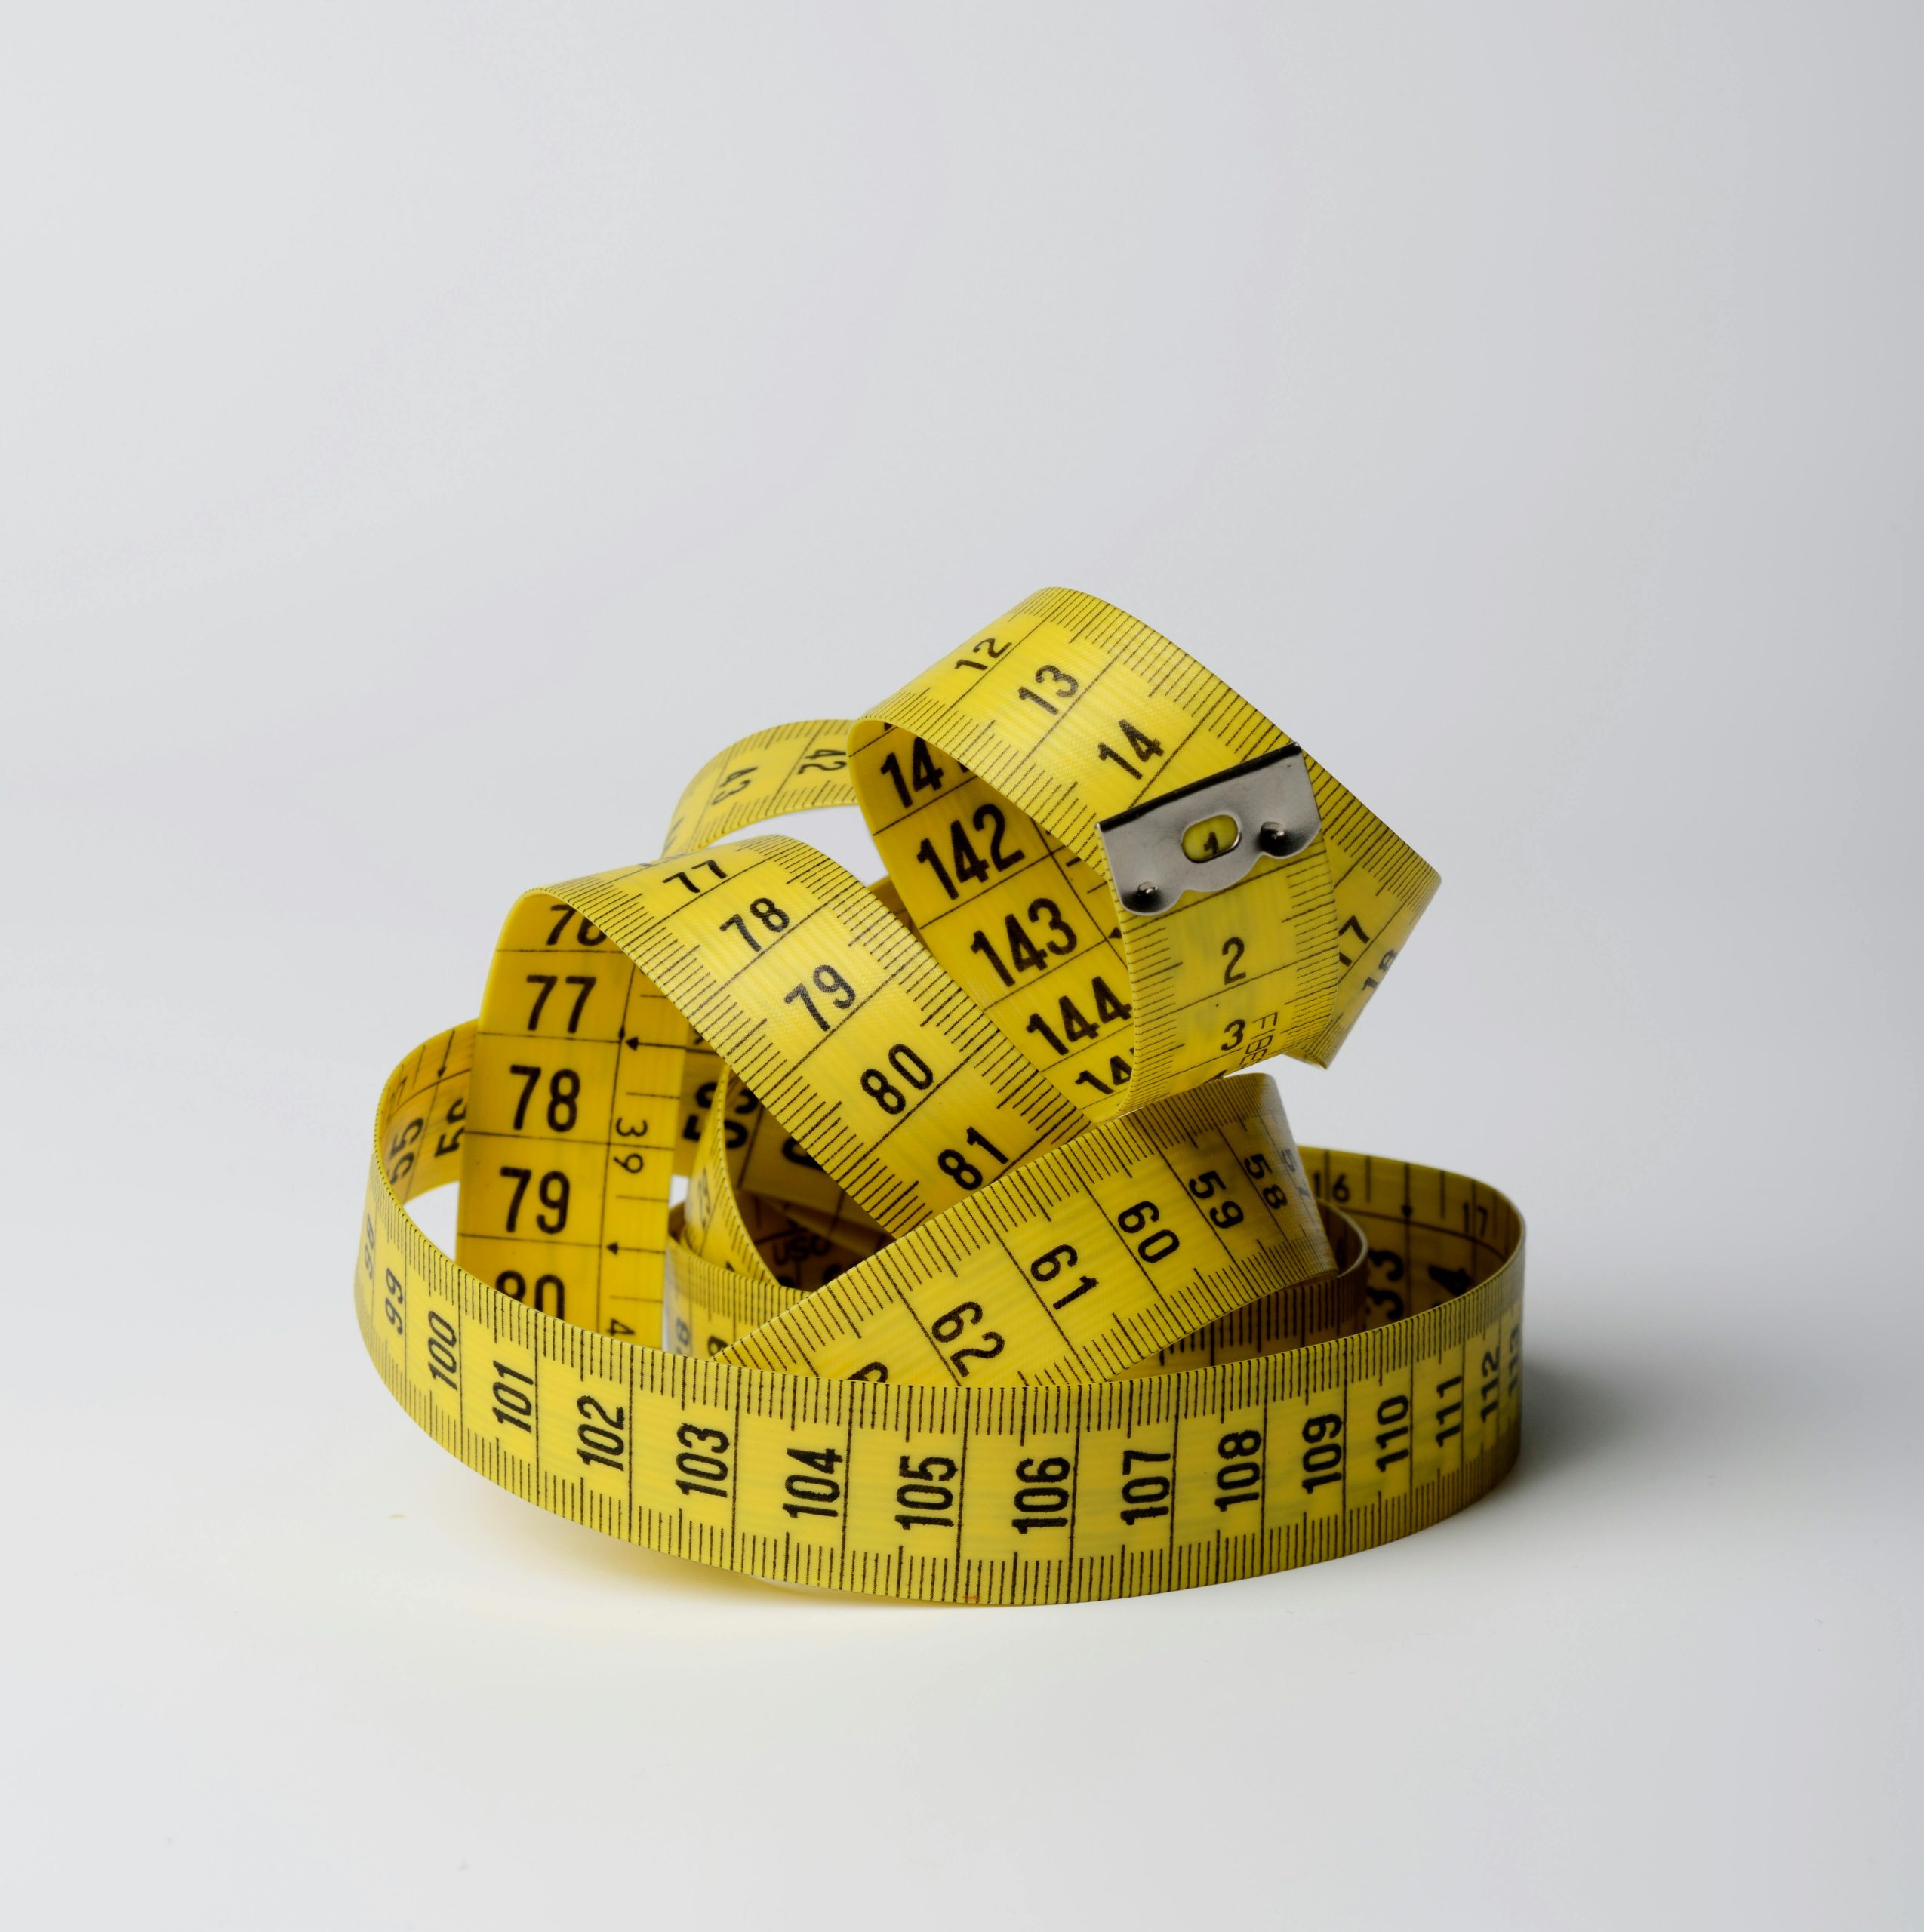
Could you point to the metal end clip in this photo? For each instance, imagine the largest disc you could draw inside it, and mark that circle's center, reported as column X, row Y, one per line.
column 1207, row 835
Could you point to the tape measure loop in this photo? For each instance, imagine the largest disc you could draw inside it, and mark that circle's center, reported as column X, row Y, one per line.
column 986, row 1285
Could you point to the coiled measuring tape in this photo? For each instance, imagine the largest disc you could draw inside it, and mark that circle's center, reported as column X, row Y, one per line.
column 997, row 1278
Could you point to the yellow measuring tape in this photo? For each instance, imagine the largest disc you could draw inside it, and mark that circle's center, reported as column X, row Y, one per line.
column 997, row 1278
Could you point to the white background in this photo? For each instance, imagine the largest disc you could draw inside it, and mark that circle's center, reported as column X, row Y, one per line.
column 427, row 431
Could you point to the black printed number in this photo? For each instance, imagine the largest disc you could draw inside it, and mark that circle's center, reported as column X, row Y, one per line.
column 833, row 989
column 960, row 1169
column 1146, row 1495
column 814, row 1490
column 513, row 1392
column 968, row 864
column 1322, row 1460
column 1226, row 1213
column 909, row 1067
column 1393, row 1428
column 1144, row 746
column 1157, row 1245
column 444, row 1350
column 552, row 1191
column 1024, row 955
column 1042, row 1502
column 564, row 1092
column 927, row 1492
column 703, row 1461
column 1274, row 1194
column 547, row 1289
column 965, row 1318
column 588, row 934
column 924, row 774
column 547, row 982
column 768, row 915
column 602, row 1433
column 1048, row 1267
column 1239, row 1474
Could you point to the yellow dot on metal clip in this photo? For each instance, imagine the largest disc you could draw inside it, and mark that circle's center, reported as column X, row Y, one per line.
column 1211, row 838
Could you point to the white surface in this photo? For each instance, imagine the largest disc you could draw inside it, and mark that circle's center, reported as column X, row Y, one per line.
column 428, row 431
